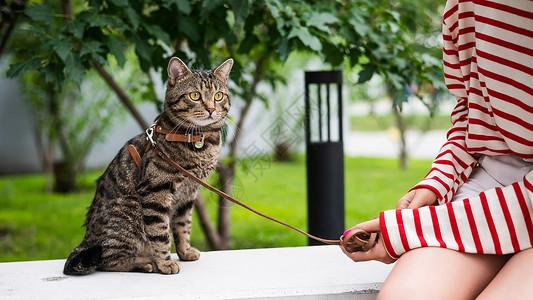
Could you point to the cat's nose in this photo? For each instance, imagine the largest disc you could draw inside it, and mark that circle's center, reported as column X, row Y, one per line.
column 210, row 110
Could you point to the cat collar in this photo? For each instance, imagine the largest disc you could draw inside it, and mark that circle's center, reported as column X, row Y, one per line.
column 175, row 136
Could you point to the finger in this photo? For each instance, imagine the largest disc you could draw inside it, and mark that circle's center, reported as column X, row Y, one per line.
column 376, row 253
column 358, row 256
column 406, row 200
column 403, row 203
column 418, row 202
column 369, row 226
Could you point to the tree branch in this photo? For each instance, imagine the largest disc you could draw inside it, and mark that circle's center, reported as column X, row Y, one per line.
column 258, row 76
column 213, row 238
column 226, row 173
column 121, row 95
column 66, row 8
column 15, row 7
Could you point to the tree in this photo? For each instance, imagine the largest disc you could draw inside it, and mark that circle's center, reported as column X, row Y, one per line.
column 70, row 119
column 260, row 35
column 406, row 54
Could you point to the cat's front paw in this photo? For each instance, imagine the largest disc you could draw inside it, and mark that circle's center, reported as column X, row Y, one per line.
column 167, row 266
column 147, row 268
column 189, row 254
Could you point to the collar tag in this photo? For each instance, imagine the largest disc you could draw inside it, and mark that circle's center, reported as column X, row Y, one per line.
column 200, row 143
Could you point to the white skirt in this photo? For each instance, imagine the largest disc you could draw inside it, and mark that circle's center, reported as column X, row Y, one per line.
column 492, row 172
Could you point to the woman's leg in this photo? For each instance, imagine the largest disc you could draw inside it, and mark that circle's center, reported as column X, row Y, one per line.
column 439, row 273
column 514, row 279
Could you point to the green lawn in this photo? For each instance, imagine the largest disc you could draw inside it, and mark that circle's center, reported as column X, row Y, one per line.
column 412, row 121
column 35, row 225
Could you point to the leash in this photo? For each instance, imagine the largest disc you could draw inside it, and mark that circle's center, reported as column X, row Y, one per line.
column 354, row 240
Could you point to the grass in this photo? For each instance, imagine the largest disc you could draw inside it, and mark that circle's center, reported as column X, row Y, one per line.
column 35, row 225
column 371, row 122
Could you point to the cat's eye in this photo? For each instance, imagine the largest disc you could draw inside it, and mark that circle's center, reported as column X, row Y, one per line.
column 194, row 96
column 218, row 96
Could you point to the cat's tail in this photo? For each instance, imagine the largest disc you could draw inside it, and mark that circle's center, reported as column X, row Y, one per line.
column 83, row 260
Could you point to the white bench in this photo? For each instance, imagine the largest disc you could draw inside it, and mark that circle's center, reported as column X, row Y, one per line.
column 317, row 272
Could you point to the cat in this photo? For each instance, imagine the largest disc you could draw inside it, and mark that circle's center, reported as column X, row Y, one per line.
column 136, row 207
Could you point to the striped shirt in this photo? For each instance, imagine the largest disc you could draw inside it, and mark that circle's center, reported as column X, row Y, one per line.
column 488, row 68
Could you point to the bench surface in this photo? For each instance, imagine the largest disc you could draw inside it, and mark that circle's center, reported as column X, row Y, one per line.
column 317, row 272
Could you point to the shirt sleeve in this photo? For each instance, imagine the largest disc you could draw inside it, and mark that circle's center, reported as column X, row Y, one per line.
column 498, row 221
column 453, row 164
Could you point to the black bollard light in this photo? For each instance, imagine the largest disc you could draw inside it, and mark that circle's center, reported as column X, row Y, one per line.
column 325, row 155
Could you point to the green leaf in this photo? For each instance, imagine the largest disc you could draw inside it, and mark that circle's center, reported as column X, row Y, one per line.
column 157, row 32
column 248, row 43
column 210, row 5
column 116, row 48
column 184, row 6
column 168, row 3
column 54, row 73
column 35, row 30
column 87, row 16
column 22, row 67
column 77, row 28
column 93, row 19
column 92, row 47
column 74, row 68
column 95, row 4
column 366, row 73
column 305, row 36
column 120, row 3
column 240, row 9
column 273, row 7
column 63, row 48
column 142, row 48
column 359, row 25
column 190, row 28
column 321, row 19
column 41, row 12
column 333, row 55
column 399, row 95
column 284, row 49
column 97, row 57
column 132, row 16
column 397, row 81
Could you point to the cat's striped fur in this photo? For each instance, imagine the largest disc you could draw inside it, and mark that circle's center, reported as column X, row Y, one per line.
column 134, row 210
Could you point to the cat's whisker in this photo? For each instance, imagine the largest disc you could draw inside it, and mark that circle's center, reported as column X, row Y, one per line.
column 190, row 129
column 231, row 124
column 178, row 126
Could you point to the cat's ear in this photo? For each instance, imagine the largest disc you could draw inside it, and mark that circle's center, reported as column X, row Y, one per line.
column 176, row 70
column 222, row 71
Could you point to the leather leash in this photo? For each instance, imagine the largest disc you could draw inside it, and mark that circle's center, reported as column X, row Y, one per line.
column 354, row 240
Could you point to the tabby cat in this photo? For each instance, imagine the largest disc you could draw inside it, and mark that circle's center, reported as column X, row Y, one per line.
column 135, row 208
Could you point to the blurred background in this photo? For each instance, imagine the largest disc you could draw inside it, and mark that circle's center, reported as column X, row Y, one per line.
column 80, row 78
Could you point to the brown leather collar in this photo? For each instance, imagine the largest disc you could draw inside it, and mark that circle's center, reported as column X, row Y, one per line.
column 175, row 136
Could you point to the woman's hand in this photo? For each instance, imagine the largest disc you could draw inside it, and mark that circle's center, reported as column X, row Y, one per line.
column 377, row 252
column 417, row 198
column 414, row 199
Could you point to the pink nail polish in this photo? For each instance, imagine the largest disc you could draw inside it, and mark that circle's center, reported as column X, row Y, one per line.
column 346, row 232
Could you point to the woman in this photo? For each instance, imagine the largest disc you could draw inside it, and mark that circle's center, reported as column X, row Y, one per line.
column 466, row 229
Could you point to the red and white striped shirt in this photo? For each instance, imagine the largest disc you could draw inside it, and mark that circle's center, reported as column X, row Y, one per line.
column 488, row 66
